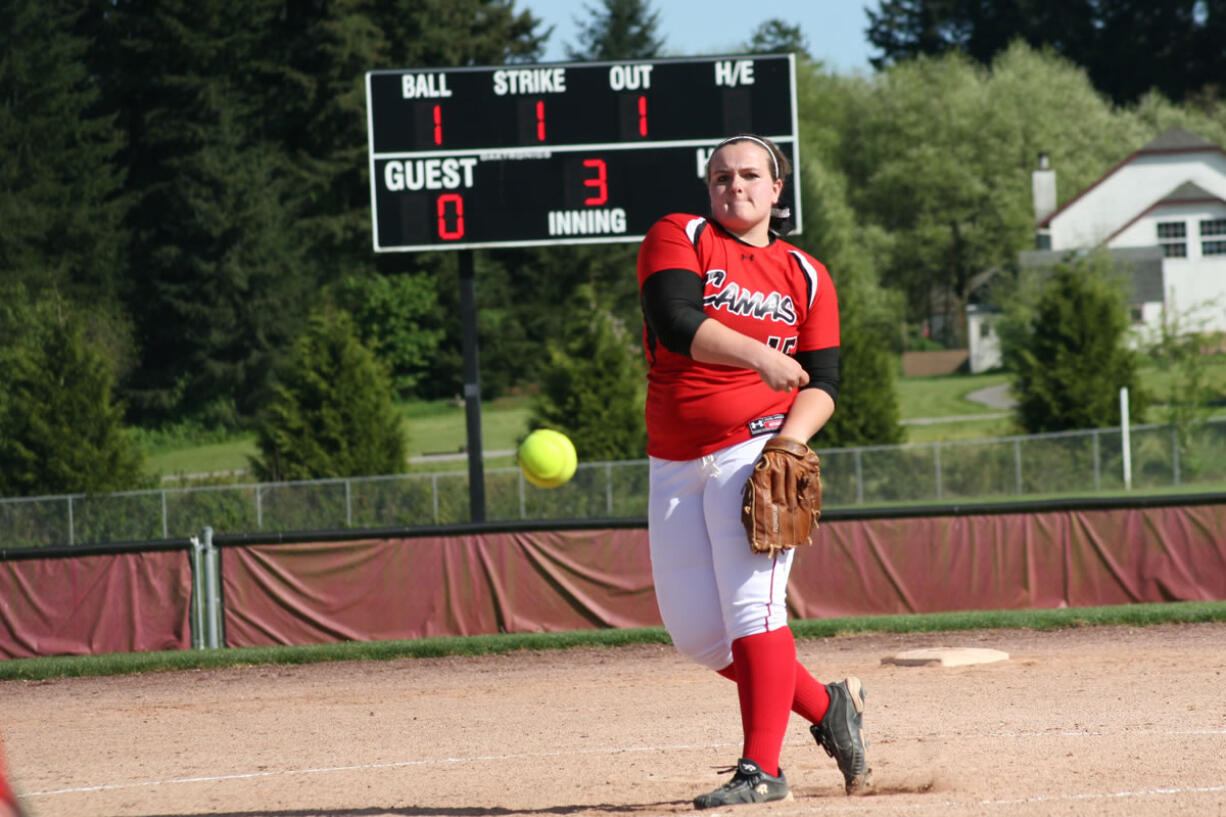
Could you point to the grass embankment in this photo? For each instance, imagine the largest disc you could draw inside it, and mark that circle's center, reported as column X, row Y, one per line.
column 440, row 427
column 1132, row 615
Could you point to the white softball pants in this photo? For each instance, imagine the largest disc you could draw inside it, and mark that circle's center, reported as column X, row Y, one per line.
column 710, row 587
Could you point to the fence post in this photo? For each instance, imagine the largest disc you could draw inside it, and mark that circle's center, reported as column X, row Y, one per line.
column 936, row 459
column 608, row 488
column 71, row 528
column 1098, row 466
column 165, row 524
column 1017, row 463
column 1175, row 454
column 434, row 494
column 212, row 591
column 523, row 505
column 348, row 506
column 859, row 477
column 198, row 593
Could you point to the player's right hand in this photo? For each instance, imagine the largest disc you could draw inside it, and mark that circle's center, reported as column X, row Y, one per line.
column 782, row 373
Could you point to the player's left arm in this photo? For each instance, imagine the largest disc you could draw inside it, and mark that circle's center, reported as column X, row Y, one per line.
column 810, row 411
column 818, row 356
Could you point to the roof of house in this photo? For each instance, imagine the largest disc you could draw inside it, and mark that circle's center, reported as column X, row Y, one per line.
column 1177, row 139
column 1187, row 192
column 1142, row 264
column 1171, row 140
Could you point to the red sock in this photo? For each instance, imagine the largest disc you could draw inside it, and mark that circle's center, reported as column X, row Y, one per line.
column 6, row 792
column 765, row 683
column 810, row 700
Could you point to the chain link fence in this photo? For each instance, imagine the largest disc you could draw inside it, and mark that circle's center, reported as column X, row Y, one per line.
column 1066, row 463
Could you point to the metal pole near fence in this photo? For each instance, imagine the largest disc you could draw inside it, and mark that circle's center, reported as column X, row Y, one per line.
column 212, row 590
column 197, row 603
column 1017, row 464
column 936, row 464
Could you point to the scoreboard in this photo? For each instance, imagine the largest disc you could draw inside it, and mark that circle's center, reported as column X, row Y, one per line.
column 560, row 153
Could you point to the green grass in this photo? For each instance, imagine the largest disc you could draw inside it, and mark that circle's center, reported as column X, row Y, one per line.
column 944, row 395
column 440, row 426
column 204, row 459
column 1132, row 615
column 433, row 427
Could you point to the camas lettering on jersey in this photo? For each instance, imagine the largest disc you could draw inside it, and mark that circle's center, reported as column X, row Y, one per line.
column 774, row 305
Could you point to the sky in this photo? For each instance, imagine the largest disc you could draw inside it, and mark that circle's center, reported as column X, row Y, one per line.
column 834, row 29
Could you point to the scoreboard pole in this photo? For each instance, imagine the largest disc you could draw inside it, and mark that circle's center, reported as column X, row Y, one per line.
column 472, row 387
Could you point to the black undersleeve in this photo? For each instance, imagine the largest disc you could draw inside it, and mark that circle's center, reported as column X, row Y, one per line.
column 672, row 307
column 822, row 365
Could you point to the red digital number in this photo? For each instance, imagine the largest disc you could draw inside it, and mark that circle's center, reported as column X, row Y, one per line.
column 457, row 201
column 438, row 125
column 540, row 121
column 642, row 116
column 600, row 181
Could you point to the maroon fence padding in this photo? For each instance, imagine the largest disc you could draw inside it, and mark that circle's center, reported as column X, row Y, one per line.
column 377, row 589
column 466, row 585
column 88, row 605
column 1012, row 561
column 434, row 586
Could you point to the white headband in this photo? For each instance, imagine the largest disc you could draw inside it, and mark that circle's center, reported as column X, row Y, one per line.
column 755, row 140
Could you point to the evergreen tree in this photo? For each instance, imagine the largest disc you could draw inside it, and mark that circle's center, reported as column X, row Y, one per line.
column 331, row 413
column 327, row 48
column 320, row 53
column 217, row 281
column 447, row 33
column 60, row 171
column 775, row 36
column 592, row 387
column 1126, row 46
column 61, row 430
column 618, row 30
column 1074, row 358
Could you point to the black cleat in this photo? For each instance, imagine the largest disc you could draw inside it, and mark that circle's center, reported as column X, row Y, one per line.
column 749, row 785
column 841, row 734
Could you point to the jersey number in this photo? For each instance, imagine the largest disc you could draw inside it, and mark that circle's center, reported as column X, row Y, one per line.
column 787, row 346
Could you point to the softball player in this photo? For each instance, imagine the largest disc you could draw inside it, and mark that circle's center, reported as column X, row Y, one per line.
column 741, row 333
column 8, row 798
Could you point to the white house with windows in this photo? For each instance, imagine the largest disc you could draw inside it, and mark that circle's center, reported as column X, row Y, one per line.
column 1161, row 213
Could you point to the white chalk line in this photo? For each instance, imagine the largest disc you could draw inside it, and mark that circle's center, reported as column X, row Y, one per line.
column 397, row 764
column 401, row 764
column 874, row 804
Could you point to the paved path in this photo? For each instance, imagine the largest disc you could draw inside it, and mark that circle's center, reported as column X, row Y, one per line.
column 997, row 397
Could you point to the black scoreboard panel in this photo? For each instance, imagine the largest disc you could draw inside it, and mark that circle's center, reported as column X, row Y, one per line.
column 559, row 153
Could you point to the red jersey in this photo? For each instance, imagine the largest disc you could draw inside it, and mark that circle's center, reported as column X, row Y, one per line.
column 778, row 294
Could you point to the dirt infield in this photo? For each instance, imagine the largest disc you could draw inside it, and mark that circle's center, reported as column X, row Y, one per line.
column 1094, row 721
